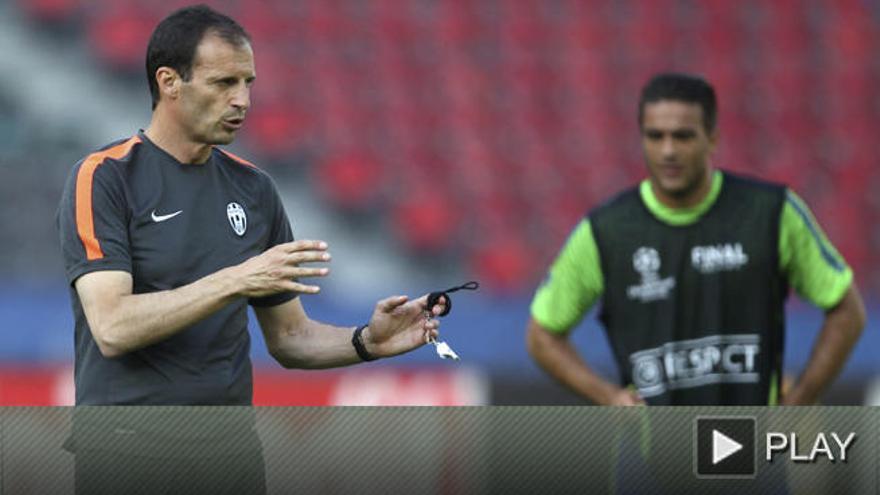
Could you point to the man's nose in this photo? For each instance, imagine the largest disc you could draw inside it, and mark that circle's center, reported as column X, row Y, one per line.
column 667, row 148
column 242, row 97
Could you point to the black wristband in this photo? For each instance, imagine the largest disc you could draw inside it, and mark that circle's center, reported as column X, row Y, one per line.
column 358, row 343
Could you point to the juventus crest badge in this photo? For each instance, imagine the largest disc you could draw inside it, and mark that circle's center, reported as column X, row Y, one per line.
column 237, row 218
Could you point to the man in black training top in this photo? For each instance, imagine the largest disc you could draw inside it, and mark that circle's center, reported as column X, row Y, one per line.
column 167, row 238
column 693, row 268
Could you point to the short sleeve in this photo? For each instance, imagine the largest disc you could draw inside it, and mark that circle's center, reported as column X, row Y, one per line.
column 573, row 284
column 815, row 270
column 92, row 221
column 280, row 233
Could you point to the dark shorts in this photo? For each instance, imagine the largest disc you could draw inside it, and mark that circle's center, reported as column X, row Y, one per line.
column 166, row 450
column 100, row 472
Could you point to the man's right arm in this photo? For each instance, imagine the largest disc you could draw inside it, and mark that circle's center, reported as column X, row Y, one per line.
column 122, row 322
column 558, row 357
column 573, row 284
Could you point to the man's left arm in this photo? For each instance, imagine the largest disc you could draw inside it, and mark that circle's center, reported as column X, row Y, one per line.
column 820, row 275
column 397, row 325
column 841, row 329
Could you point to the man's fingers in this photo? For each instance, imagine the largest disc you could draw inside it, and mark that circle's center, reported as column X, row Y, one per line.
column 633, row 398
column 303, row 245
column 389, row 304
column 440, row 306
column 310, row 272
column 295, row 272
column 292, row 286
column 422, row 302
column 298, row 257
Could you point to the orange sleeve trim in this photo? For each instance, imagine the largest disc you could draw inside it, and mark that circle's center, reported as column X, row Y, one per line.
column 239, row 159
column 85, row 218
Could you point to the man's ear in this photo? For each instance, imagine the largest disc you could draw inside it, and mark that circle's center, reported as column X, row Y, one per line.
column 169, row 82
column 713, row 139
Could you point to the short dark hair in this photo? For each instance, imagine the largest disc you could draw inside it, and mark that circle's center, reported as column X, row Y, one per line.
column 174, row 41
column 681, row 87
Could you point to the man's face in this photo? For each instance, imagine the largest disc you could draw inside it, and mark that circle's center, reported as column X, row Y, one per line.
column 676, row 147
column 213, row 103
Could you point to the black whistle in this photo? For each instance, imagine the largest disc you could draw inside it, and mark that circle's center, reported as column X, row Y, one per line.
column 434, row 297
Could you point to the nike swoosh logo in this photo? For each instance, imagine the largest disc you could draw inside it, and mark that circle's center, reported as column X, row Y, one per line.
column 162, row 218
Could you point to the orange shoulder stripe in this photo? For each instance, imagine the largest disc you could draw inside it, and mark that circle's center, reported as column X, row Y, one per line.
column 85, row 224
column 238, row 159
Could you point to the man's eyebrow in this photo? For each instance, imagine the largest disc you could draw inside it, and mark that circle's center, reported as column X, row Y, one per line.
column 223, row 77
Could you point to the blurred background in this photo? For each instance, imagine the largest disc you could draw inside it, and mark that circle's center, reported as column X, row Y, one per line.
column 432, row 142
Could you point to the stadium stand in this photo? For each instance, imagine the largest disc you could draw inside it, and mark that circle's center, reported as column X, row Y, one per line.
column 477, row 132
column 485, row 129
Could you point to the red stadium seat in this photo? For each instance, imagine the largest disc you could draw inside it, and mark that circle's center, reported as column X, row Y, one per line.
column 52, row 11
column 426, row 220
column 351, row 181
column 119, row 35
column 277, row 131
column 504, row 262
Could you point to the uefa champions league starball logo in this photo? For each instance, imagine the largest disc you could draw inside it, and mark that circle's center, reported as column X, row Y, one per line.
column 646, row 261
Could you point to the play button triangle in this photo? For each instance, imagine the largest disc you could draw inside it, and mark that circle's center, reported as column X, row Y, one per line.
column 723, row 447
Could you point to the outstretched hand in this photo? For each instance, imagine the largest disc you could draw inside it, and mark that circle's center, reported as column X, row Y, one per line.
column 399, row 325
column 279, row 269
